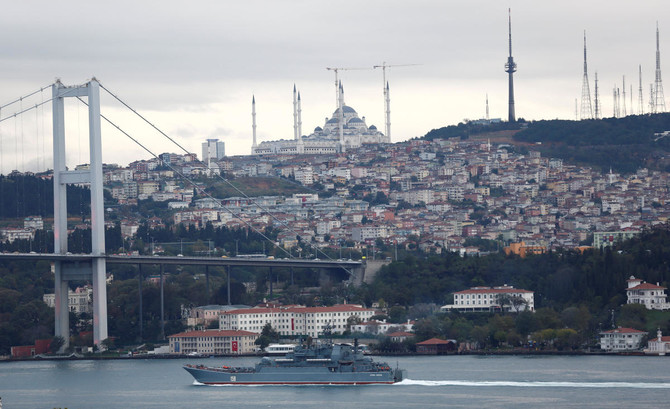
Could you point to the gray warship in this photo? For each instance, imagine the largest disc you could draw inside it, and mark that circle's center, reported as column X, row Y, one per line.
column 322, row 364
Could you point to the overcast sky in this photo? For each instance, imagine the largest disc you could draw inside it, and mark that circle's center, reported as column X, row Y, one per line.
column 192, row 67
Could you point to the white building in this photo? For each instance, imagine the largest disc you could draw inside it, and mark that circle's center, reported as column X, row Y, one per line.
column 621, row 339
column 213, row 150
column 295, row 320
column 213, row 342
column 651, row 296
column 659, row 345
column 486, row 299
column 80, row 300
column 364, row 233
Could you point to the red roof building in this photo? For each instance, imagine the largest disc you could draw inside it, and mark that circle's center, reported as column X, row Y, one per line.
column 651, row 296
column 621, row 339
column 435, row 346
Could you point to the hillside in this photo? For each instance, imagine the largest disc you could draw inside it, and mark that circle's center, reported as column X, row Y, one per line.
column 625, row 144
column 254, row 186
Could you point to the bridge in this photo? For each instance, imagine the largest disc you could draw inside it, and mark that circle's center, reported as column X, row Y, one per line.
column 67, row 266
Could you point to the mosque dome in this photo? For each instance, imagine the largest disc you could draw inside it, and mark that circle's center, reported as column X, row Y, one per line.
column 372, row 128
column 318, row 129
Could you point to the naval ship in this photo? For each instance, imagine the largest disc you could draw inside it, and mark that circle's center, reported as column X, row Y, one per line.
column 322, row 364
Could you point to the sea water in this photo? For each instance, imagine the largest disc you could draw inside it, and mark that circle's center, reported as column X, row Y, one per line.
column 432, row 382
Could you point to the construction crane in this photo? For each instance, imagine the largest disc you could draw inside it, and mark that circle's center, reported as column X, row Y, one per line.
column 337, row 88
column 387, row 102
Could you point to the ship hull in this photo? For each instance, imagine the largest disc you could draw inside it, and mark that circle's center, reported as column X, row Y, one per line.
column 289, row 376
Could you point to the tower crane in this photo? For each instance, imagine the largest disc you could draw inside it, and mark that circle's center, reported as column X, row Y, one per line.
column 337, row 89
column 387, row 102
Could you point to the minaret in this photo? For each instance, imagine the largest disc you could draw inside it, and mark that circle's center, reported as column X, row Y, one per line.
column 299, row 117
column 295, row 113
column 586, row 111
column 597, row 99
column 388, row 112
column 640, row 99
column 300, row 146
column 659, row 98
column 510, row 68
column 340, row 120
column 253, row 124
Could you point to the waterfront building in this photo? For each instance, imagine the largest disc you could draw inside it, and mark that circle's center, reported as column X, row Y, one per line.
column 213, row 342
column 652, row 296
column 204, row 315
column 295, row 320
column 435, row 346
column 659, row 345
column 492, row 299
column 621, row 339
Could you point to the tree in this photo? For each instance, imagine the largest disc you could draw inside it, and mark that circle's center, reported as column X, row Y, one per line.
column 268, row 335
column 56, row 344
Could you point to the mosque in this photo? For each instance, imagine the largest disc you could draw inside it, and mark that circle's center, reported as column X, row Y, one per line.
column 343, row 131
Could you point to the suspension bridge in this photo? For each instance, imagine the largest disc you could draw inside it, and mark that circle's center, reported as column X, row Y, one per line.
column 92, row 266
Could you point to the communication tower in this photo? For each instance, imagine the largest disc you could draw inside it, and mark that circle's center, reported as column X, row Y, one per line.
column 510, row 68
column 586, row 110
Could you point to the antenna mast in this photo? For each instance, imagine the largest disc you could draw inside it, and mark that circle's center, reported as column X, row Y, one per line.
column 597, row 99
column 623, row 87
column 640, row 98
column 587, row 110
column 659, row 98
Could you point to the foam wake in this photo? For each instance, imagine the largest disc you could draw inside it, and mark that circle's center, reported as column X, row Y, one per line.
column 536, row 384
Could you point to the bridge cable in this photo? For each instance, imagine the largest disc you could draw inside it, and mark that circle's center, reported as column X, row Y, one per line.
column 15, row 114
column 281, row 222
column 181, row 175
column 25, row 96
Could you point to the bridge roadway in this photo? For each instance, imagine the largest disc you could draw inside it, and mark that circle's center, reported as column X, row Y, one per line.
column 348, row 265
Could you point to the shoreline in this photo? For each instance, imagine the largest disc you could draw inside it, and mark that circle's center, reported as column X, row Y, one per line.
column 190, row 357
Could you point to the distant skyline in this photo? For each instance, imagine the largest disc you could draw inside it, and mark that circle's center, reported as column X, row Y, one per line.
column 192, row 68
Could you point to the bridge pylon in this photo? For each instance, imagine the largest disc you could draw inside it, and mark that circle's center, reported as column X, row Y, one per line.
column 95, row 270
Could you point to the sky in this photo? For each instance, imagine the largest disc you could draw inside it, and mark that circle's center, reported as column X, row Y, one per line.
column 191, row 68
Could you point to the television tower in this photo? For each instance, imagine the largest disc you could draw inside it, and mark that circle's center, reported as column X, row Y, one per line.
column 597, row 99
column 659, row 98
column 587, row 110
column 510, row 68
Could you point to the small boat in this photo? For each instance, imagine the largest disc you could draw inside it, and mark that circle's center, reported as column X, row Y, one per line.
column 322, row 364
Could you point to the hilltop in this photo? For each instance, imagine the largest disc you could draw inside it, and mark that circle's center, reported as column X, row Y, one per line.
column 624, row 144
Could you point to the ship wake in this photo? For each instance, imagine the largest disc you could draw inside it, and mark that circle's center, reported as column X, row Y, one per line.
column 537, row 384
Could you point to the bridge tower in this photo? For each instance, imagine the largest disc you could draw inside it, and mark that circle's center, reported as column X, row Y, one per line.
column 95, row 270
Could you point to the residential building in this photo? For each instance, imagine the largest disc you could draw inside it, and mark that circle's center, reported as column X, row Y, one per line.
column 486, row 299
column 610, row 238
column 621, row 339
column 213, row 342
column 79, row 300
column 651, row 296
